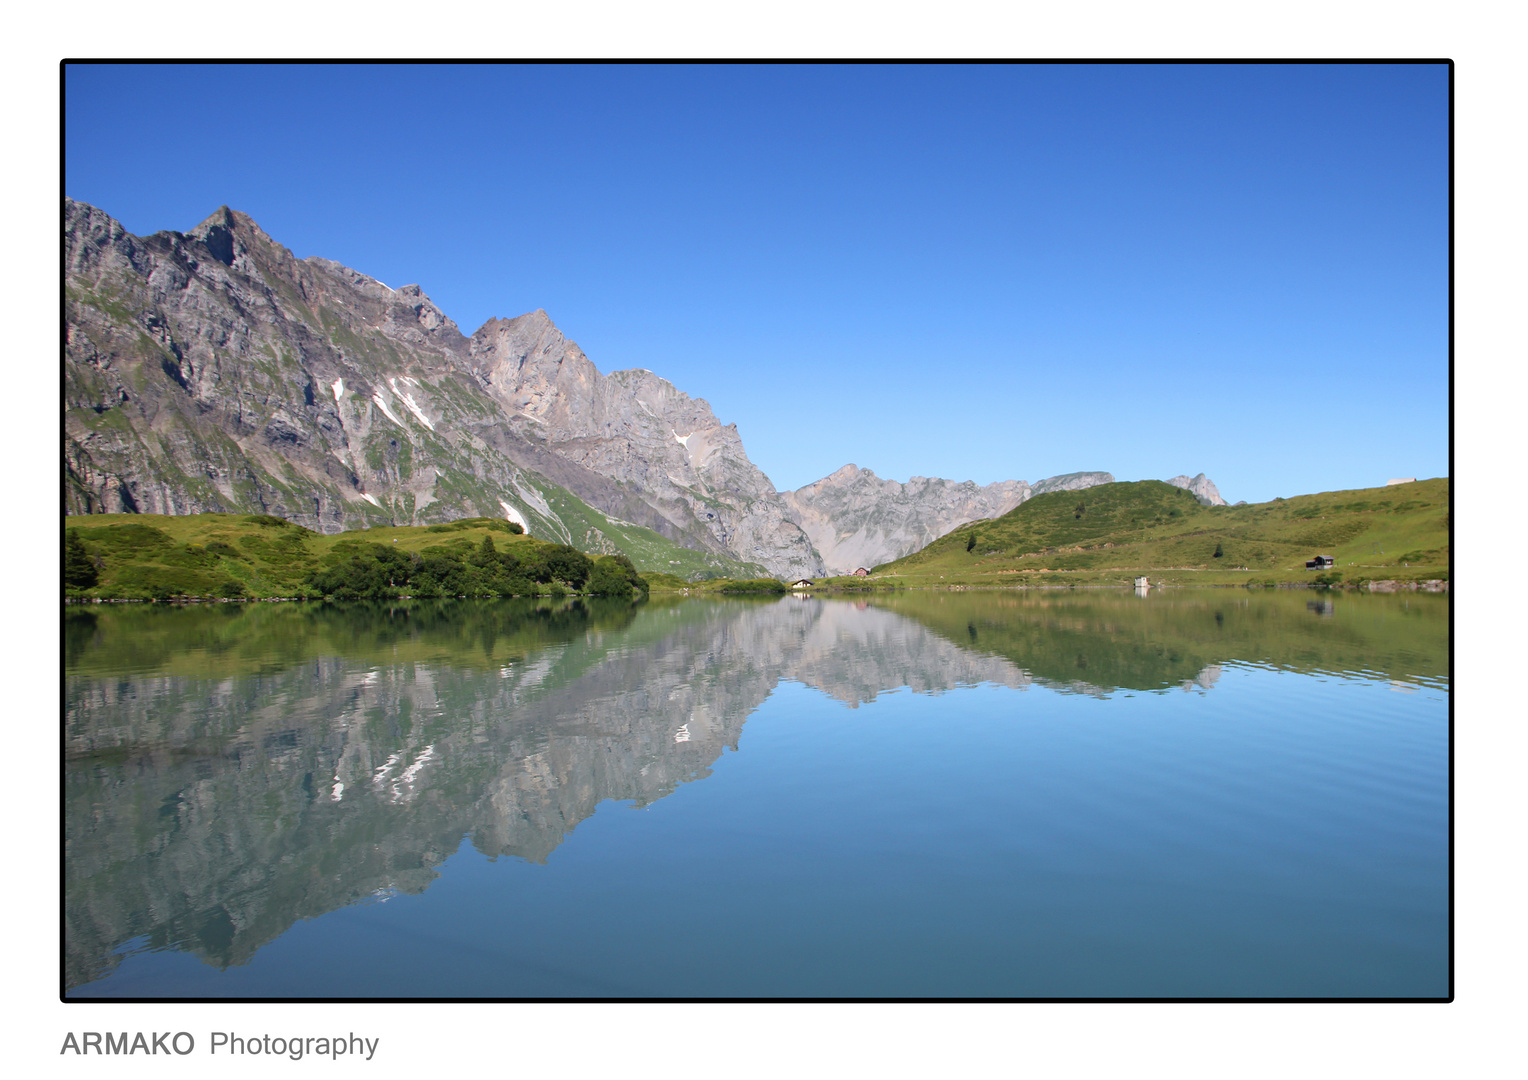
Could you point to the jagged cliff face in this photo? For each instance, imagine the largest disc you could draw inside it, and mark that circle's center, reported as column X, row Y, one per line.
column 854, row 518
column 214, row 371
column 1202, row 488
column 641, row 431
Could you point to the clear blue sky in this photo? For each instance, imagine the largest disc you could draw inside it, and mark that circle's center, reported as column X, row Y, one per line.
column 980, row 273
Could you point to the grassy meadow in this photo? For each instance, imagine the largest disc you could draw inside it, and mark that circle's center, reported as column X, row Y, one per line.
column 1110, row 534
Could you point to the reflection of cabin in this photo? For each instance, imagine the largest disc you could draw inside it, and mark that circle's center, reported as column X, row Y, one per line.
column 804, row 583
column 861, row 572
column 1320, row 562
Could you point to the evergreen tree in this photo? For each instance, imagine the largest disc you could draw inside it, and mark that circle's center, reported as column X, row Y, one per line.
column 79, row 570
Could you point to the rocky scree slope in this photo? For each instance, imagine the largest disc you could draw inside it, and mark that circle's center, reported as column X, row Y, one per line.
column 214, row 371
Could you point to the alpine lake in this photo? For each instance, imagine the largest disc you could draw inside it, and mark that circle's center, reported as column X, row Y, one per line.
column 1072, row 794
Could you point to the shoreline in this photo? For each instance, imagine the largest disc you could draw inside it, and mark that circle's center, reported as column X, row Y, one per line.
column 1430, row 585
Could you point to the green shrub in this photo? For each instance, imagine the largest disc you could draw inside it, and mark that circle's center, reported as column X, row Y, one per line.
column 614, row 575
column 79, row 570
column 754, row 585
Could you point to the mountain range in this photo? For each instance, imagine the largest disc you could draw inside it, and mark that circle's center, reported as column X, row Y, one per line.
column 214, row 371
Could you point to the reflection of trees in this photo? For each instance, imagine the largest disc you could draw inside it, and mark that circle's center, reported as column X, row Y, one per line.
column 282, row 760
column 215, row 640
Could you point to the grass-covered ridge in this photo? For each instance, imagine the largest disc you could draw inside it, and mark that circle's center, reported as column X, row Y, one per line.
column 257, row 556
column 1114, row 532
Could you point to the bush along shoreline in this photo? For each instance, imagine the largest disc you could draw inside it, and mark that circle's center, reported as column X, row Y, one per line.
column 258, row 557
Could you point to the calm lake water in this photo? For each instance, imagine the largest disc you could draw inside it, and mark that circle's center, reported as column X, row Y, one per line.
column 1190, row 794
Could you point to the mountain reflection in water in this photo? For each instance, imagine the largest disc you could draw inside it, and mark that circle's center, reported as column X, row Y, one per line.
column 231, row 769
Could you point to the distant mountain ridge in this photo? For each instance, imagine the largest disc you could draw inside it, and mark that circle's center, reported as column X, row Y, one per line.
column 856, row 519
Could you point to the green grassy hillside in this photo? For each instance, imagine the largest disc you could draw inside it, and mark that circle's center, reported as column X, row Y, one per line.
column 144, row 556
column 147, row 556
column 1112, row 533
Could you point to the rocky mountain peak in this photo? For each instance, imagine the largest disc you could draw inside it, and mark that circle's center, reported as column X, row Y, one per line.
column 230, row 235
column 1201, row 487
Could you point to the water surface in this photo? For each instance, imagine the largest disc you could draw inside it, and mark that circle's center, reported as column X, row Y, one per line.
column 1198, row 793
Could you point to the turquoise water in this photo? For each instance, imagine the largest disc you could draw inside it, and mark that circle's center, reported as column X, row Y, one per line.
column 1245, row 796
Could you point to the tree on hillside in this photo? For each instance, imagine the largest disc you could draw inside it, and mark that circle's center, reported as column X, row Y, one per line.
column 567, row 563
column 609, row 579
column 1219, row 551
column 971, row 541
column 79, row 571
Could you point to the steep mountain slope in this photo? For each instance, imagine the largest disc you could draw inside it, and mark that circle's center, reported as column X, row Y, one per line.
column 215, row 371
column 640, row 431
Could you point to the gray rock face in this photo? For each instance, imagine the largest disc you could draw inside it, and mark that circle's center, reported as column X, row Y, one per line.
column 854, row 518
column 215, row 371
column 1202, row 488
column 639, row 430
column 1075, row 481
